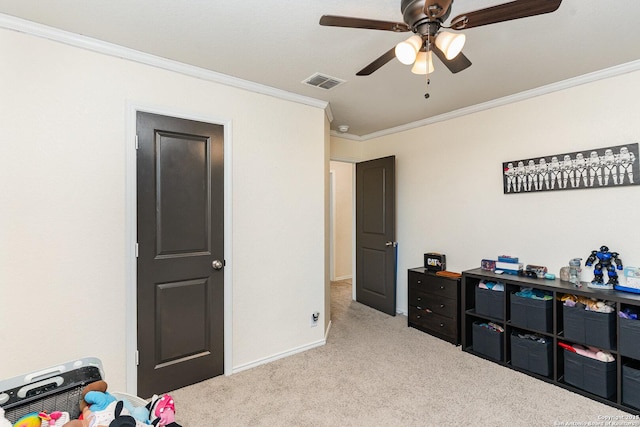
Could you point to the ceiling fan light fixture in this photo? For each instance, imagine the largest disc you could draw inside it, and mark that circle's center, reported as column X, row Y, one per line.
column 450, row 44
column 407, row 50
column 423, row 64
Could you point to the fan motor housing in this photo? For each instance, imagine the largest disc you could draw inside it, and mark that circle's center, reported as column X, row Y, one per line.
column 413, row 12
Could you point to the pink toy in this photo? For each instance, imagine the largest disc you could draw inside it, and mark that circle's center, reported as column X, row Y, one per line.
column 162, row 411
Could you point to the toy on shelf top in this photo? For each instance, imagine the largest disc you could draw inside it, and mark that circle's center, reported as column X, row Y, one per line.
column 605, row 262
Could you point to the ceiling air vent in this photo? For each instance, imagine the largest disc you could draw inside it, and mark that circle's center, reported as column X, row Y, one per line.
column 323, row 81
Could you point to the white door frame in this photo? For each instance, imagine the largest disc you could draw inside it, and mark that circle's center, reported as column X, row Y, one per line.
column 131, row 317
column 332, row 225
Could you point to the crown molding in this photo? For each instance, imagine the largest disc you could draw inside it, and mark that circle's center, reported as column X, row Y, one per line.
column 88, row 43
column 111, row 49
column 606, row 73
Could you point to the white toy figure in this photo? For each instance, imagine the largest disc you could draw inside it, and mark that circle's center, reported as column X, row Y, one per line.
column 510, row 174
column 625, row 164
column 532, row 177
column 3, row 421
column 609, row 163
column 554, row 172
column 595, row 168
column 543, row 173
column 521, row 176
column 567, row 170
column 580, row 166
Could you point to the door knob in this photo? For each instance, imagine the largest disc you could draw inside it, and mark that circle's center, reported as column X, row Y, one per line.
column 394, row 244
column 217, row 264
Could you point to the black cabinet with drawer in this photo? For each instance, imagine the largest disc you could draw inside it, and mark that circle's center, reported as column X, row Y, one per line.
column 434, row 305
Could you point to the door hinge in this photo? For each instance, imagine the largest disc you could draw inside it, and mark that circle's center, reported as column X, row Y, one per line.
column 137, row 250
column 137, row 144
column 137, row 357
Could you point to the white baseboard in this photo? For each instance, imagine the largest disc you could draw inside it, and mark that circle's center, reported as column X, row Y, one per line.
column 275, row 357
column 403, row 312
column 343, row 278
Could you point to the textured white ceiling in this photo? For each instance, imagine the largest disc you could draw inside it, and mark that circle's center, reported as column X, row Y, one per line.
column 280, row 43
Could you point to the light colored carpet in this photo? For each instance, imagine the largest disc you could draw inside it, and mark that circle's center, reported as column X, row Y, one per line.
column 375, row 371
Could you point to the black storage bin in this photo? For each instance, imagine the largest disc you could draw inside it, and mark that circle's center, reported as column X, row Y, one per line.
column 532, row 313
column 490, row 303
column 533, row 356
column 590, row 327
column 630, row 338
column 488, row 342
column 589, row 374
column 631, row 385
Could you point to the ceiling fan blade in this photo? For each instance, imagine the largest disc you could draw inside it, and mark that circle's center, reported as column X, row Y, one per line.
column 504, row 12
column 436, row 8
column 371, row 24
column 455, row 65
column 386, row 57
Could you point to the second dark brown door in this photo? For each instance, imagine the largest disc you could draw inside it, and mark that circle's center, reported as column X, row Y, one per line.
column 376, row 234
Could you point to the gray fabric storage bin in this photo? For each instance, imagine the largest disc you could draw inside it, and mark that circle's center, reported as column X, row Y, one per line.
column 490, row 303
column 488, row 342
column 631, row 386
column 532, row 356
column 531, row 313
column 590, row 327
column 589, row 374
column 630, row 338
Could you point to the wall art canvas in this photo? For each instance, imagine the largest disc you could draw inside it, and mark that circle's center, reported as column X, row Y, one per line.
column 597, row 168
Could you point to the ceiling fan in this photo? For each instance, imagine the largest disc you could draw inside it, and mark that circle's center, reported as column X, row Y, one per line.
column 425, row 19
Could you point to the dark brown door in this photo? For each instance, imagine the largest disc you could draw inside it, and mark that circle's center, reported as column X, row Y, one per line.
column 376, row 234
column 180, row 294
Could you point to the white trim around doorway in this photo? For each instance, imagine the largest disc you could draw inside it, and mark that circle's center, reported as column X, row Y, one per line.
column 131, row 346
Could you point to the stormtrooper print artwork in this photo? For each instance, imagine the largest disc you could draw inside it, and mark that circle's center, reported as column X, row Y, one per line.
column 604, row 167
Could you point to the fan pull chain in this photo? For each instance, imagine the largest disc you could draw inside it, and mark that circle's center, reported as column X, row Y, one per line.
column 428, row 49
column 426, row 95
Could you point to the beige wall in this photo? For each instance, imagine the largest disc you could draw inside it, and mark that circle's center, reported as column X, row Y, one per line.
column 449, row 183
column 64, row 286
column 343, row 219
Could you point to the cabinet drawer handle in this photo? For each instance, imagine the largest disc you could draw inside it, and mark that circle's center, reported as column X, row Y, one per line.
column 441, row 305
column 442, row 325
column 419, row 282
column 419, row 299
column 441, row 287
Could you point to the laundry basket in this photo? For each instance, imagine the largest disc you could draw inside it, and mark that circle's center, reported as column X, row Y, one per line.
column 135, row 401
column 58, row 388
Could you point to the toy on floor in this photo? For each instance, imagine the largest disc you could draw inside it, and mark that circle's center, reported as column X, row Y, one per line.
column 99, row 409
column 162, row 411
column 29, row 420
column 3, row 421
column 121, row 420
column 54, row 419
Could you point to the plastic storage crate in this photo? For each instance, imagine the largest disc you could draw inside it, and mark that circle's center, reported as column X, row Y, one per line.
column 58, row 388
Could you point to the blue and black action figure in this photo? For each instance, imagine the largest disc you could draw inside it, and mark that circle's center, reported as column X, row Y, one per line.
column 605, row 260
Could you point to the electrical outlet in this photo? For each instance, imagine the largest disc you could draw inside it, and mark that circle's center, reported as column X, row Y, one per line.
column 314, row 319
